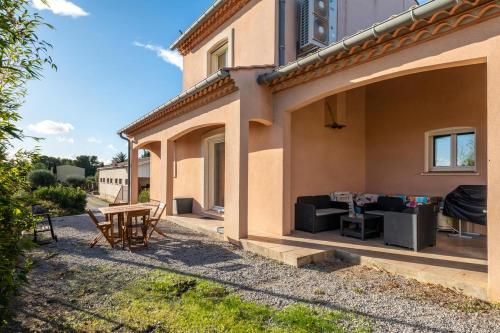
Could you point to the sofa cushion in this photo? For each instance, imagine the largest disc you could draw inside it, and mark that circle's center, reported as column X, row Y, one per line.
column 330, row 211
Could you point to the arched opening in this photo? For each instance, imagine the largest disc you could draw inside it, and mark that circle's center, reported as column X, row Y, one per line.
column 148, row 171
column 199, row 170
column 416, row 138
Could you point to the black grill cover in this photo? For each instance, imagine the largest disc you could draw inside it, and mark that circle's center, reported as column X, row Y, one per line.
column 468, row 203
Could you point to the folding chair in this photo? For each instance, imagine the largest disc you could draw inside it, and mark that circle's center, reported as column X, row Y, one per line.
column 131, row 227
column 105, row 230
column 153, row 222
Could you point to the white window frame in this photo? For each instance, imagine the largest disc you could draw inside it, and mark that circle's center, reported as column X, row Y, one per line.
column 453, row 132
column 225, row 39
column 209, row 141
column 222, row 48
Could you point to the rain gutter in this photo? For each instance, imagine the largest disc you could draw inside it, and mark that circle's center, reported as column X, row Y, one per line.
column 411, row 15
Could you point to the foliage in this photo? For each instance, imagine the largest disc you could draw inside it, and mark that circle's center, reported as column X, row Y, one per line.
column 144, row 196
column 22, row 56
column 41, row 177
column 76, row 181
column 120, row 157
column 91, row 182
column 167, row 302
column 39, row 166
column 145, row 153
column 89, row 163
column 14, row 218
column 63, row 200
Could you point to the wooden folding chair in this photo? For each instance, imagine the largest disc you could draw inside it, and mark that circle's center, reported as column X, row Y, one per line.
column 153, row 222
column 133, row 225
column 105, row 230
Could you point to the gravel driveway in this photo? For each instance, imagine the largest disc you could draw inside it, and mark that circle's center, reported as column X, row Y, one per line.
column 391, row 303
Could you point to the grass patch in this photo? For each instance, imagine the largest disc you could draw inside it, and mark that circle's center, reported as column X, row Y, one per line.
column 167, row 302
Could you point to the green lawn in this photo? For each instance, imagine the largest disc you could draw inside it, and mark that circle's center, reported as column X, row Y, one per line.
column 167, row 302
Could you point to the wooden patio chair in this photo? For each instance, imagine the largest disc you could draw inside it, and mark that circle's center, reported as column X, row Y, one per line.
column 130, row 229
column 104, row 230
column 153, row 222
column 110, row 217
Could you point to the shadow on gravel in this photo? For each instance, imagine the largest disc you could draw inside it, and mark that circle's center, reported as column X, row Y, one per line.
column 194, row 253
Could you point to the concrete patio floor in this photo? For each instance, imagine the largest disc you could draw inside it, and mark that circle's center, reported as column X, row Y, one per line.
column 456, row 263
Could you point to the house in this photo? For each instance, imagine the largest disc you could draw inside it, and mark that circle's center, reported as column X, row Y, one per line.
column 408, row 105
column 113, row 180
column 63, row 172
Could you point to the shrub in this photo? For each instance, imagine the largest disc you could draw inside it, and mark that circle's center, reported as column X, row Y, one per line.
column 144, row 195
column 69, row 200
column 38, row 178
column 75, row 181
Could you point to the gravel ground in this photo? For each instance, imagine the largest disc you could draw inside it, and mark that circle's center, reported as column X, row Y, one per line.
column 391, row 303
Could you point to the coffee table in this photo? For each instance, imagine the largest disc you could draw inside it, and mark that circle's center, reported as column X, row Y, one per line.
column 361, row 226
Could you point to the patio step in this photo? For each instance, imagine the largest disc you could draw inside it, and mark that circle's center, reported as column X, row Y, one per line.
column 291, row 255
column 299, row 253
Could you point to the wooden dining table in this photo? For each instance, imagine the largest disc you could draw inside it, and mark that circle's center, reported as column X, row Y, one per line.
column 122, row 211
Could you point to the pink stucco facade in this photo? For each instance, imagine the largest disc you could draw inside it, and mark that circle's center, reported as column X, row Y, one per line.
column 277, row 146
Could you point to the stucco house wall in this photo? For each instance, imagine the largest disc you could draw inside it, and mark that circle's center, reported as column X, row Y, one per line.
column 109, row 190
column 400, row 111
column 252, row 25
column 325, row 160
column 63, row 172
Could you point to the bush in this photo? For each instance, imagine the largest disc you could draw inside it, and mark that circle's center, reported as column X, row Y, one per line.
column 144, row 196
column 75, row 181
column 39, row 178
column 62, row 200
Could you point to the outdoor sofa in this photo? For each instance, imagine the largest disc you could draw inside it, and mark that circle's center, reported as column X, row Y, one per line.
column 410, row 227
column 318, row 213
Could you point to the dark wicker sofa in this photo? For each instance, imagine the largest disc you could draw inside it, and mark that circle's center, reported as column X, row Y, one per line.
column 318, row 213
column 413, row 228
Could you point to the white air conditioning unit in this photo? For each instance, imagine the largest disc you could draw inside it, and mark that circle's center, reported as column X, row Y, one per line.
column 314, row 24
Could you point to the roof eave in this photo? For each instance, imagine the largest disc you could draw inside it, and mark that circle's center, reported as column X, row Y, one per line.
column 193, row 26
column 220, row 74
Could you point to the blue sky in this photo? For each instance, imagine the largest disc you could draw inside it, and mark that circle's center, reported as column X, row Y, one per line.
column 109, row 71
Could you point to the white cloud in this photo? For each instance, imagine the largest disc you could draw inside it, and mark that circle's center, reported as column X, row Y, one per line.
column 172, row 57
column 93, row 140
column 64, row 139
column 111, row 147
column 60, row 7
column 51, row 127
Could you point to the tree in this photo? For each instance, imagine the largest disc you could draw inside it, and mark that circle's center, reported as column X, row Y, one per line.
column 120, row 157
column 89, row 163
column 22, row 57
column 41, row 177
column 145, row 153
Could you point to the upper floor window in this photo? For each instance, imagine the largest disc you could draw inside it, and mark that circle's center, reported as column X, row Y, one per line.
column 452, row 149
column 218, row 58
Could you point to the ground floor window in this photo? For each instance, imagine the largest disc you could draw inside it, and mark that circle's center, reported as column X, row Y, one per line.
column 452, row 149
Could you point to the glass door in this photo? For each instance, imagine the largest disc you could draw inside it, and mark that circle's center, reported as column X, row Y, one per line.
column 219, row 158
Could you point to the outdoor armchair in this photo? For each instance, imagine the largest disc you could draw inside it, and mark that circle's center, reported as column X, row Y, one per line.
column 318, row 213
column 413, row 228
